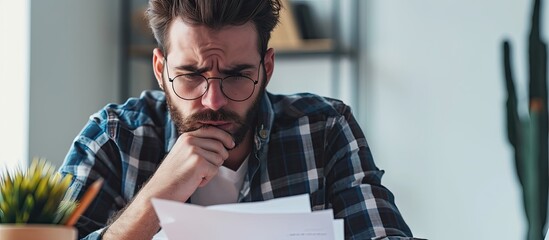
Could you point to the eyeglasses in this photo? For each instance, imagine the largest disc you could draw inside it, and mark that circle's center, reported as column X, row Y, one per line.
column 193, row 86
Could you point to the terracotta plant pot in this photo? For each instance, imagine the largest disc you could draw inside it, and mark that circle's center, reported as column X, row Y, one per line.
column 37, row 232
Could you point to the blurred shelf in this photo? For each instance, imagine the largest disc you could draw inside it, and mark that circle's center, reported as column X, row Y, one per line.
column 323, row 46
column 309, row 47
column 141, row 50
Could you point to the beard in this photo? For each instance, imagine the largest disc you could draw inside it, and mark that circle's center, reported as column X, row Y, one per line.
column 192, row 122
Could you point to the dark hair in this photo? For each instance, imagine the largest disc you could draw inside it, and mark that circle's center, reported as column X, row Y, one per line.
column 214, row 14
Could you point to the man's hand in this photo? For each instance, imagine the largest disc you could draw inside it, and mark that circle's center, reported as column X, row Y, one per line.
column 193, row 161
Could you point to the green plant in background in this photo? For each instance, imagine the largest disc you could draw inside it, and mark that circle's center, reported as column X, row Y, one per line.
column 35, row 196
column 529, row 136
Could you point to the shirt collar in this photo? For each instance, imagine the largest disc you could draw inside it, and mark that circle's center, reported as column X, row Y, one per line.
column 170, row 132
column 265, row 118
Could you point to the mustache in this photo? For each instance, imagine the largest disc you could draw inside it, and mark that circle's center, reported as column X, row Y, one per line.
column 193, row 121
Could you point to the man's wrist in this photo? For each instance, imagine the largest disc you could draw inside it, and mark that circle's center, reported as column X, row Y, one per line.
column 136, row 220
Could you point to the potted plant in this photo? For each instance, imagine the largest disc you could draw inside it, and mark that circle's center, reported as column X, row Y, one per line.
column 33, row 204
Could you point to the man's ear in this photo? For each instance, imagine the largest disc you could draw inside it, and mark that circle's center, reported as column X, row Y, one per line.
column 158, row 62
column 268, row 61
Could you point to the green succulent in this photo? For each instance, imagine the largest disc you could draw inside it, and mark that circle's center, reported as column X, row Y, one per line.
column 36, row 196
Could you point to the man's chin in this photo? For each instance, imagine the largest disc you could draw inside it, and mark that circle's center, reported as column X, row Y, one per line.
column 229, row 128
column 236, row 131
column 189, row 128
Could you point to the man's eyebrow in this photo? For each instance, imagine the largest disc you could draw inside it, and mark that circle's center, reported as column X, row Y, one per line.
column 192, row 68
column 236, row 69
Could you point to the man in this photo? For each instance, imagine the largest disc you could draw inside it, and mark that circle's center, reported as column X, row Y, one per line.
column 214, row 135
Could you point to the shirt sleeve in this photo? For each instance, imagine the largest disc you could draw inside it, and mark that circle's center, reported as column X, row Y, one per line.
column 94, row 155
column 95, row 235
column 354, row 185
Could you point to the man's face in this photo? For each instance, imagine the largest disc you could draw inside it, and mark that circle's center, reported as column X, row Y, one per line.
column 230, row 50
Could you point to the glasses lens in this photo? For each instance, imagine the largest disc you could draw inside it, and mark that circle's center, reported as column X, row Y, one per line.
column 190, row 86
column 238, row 88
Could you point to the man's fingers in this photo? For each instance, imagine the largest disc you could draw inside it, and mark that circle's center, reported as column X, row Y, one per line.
column 214, row 158
column 204, row 146
column 208, row 175
column 213, row 132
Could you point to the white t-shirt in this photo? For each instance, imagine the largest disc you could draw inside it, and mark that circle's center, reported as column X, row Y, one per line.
column 223, row 188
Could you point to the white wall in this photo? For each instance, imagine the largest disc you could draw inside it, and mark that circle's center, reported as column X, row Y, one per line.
column 307, row 74
column 434, row 111
column 73, row 71
column 14, row 52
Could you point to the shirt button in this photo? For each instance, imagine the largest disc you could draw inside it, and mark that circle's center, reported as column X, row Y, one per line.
column 263, row 133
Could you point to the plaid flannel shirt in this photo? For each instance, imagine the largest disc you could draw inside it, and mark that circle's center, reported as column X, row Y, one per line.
column 303, row 144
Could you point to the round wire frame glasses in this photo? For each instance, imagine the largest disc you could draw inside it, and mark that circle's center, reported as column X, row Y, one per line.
column 192, row 86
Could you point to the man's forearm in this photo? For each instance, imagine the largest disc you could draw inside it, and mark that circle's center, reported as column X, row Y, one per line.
column 137, row 221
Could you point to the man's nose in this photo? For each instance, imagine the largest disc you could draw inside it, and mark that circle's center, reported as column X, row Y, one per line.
column 214, row 97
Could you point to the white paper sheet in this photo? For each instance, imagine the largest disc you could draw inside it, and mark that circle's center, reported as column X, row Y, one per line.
column 291, row 204
column 283, row 218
